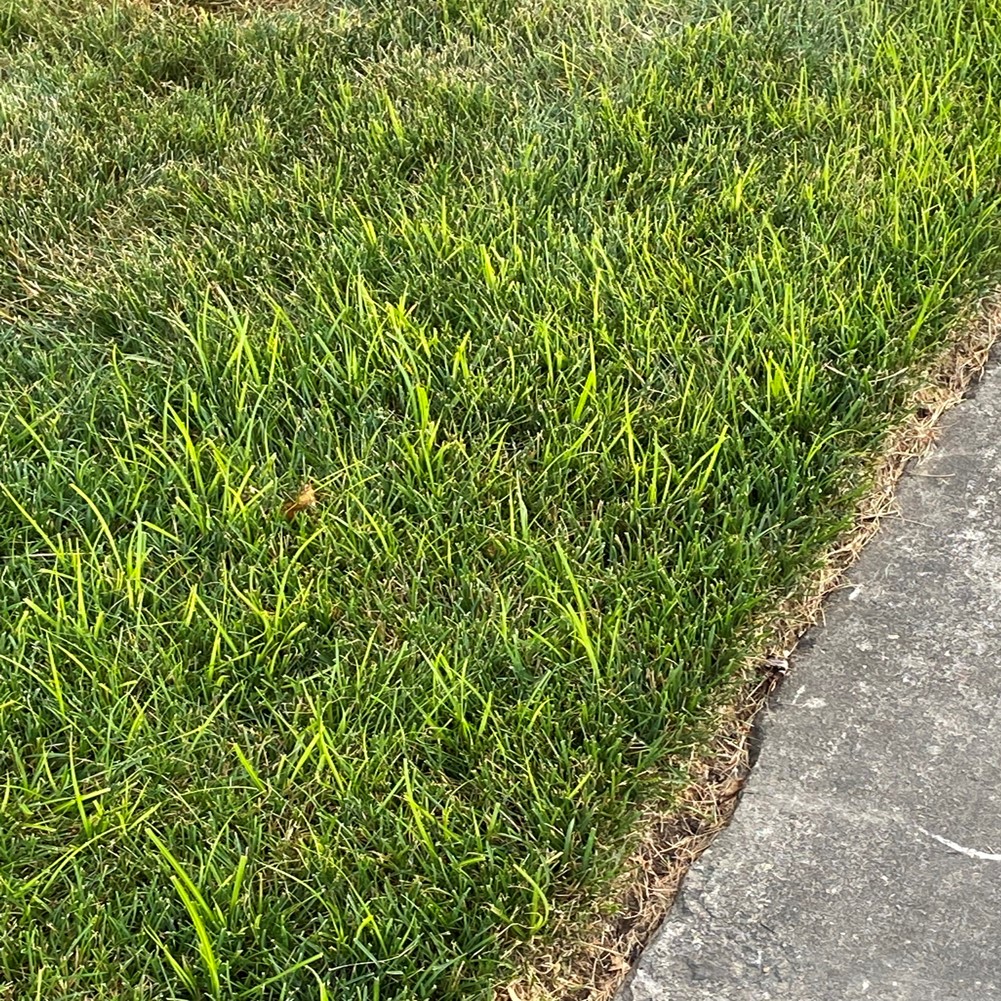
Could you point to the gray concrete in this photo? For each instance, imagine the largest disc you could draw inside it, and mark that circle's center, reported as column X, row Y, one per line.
column 830, row 884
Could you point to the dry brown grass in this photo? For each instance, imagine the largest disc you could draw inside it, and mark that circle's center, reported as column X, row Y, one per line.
column 594, row 965
column 238, row 8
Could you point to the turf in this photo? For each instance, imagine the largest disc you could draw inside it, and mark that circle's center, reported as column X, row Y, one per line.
column 407, row 411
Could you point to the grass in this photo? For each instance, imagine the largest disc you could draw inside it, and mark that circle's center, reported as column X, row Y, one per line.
column 407, row 412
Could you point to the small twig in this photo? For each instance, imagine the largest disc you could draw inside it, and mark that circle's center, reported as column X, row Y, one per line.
column 971, row 852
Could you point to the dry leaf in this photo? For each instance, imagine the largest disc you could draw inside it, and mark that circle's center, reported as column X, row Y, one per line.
column 729, row 788
column 305, row 499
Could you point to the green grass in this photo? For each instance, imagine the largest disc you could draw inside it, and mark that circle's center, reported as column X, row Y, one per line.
column 582, row 318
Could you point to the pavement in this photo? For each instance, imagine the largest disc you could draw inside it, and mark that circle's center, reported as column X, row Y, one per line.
column 864, row 859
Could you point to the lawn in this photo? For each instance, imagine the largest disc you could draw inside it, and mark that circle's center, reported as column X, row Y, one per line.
column 408, row 412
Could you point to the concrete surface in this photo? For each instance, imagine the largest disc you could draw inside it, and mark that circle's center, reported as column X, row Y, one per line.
column 831, row 883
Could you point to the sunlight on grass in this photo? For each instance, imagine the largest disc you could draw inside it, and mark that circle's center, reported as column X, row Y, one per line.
column 408, row 411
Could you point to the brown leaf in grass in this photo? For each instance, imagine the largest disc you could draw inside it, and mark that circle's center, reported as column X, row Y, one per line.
column 729, row 788
column 305, row 500
column 617, row 963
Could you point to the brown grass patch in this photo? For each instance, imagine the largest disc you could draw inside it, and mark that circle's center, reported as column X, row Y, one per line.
column 240, row 8
column 594, row 965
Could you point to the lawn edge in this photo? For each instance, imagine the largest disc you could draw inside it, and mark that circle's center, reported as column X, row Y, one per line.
column 594, row 964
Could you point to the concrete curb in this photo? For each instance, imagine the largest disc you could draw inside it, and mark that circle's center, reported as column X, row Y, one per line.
column 860, row 863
